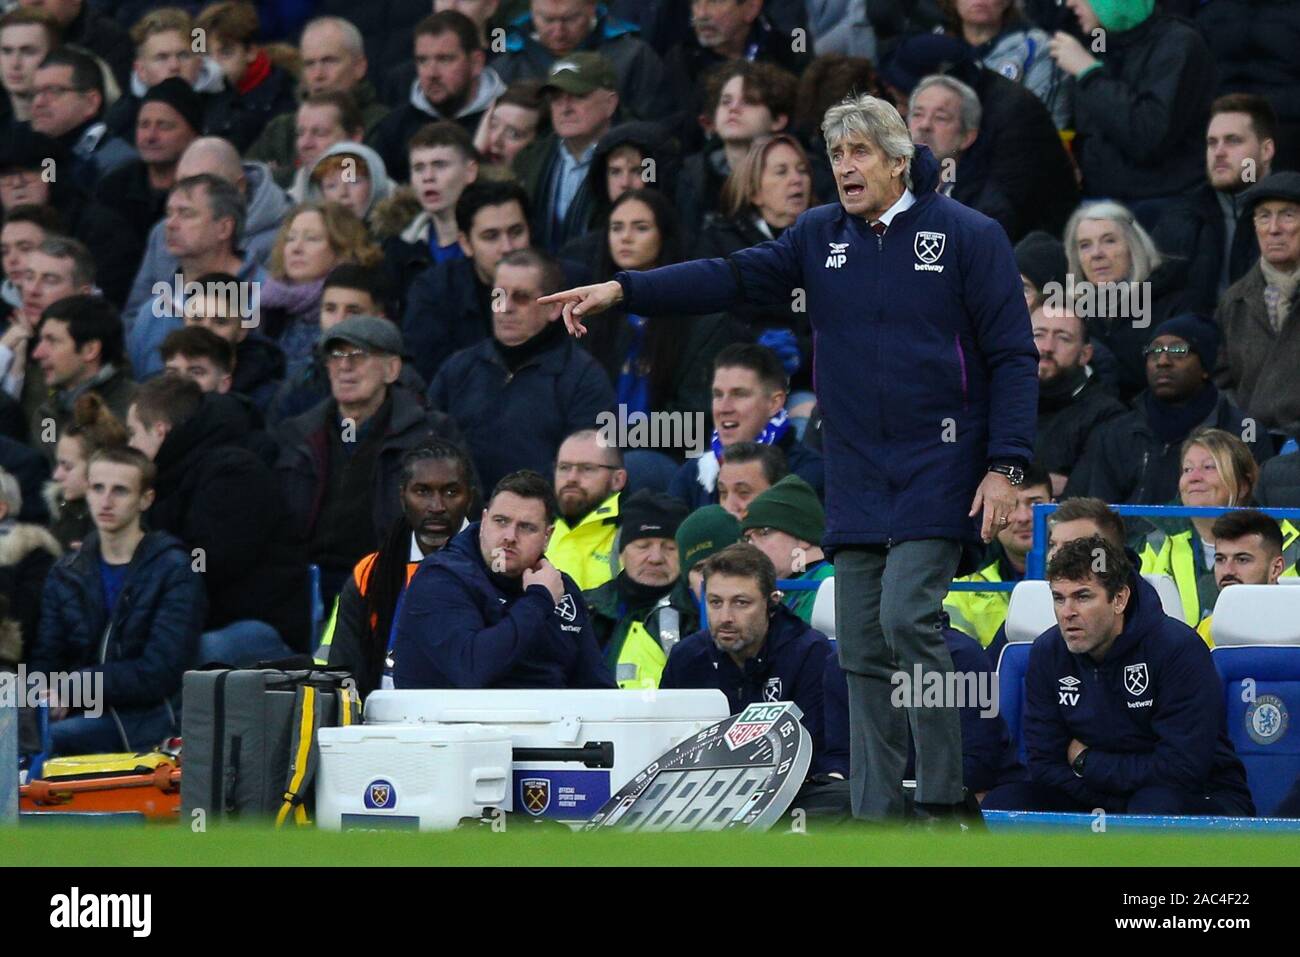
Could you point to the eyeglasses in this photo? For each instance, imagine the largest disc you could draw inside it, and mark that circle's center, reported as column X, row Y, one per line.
column 1171, row 350
column 585, row 469
column 341, row 356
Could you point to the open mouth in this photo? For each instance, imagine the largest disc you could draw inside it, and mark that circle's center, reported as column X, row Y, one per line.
column 854, row 189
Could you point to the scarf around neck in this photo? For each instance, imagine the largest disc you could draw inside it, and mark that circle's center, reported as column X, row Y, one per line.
column 706, row 472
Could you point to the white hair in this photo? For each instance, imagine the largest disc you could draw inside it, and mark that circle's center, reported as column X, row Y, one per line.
column 353, row 41
column 971, row 111
column 875, row 119
column 1142, row 250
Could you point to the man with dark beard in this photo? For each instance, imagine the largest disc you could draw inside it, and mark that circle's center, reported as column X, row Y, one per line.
column 589, row 476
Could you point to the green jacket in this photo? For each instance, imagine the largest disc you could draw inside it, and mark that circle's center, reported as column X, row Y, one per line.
column 802, row 602
column 278, row 148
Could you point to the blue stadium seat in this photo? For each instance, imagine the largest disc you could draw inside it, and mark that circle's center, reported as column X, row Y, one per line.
column 823, row 614
column 1256, row 632
column 1029, row 614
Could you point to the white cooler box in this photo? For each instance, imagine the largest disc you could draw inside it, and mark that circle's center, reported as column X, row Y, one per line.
column 573, row 749
column 421, row 777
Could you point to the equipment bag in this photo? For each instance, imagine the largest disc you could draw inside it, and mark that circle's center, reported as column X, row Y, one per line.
column 250, row 739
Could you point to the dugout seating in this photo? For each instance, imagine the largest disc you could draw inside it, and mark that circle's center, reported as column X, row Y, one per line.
column 823, row 615
column 1029, row 614
column 1256, row 631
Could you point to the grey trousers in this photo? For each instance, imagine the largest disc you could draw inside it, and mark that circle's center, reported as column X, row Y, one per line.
column 888, row 602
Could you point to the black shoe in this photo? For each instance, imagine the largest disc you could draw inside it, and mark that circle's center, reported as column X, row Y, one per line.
column 964, row 816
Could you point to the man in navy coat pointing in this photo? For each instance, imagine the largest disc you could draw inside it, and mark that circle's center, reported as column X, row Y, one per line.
column 926, row 373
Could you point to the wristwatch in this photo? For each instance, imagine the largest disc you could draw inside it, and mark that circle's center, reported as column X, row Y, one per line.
column 1014, row 473
column 1077, row 764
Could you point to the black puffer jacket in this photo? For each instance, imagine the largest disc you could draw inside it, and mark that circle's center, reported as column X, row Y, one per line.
column 1140, row 119
column 216, row 495
column 1070, row 408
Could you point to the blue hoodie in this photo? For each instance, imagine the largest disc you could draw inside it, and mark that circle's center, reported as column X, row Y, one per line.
column 1151, row 712
column 923, row 352
column 464, row 626
column 788, row 668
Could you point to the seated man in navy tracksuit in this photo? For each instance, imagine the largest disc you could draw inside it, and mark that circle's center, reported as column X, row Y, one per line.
column 988, row 755
column 754, row 649
column 1123, row 708
column 489, row 611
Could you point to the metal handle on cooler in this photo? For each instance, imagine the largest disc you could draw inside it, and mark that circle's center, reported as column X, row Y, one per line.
column 593, row 754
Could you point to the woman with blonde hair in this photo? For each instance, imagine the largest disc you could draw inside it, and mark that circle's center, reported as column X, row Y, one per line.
column 314, row 239
column 1218, row 471
column 1122, row 287
column 765, row 194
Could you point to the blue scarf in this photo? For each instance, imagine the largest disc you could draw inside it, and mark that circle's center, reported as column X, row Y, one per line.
column 707, row 469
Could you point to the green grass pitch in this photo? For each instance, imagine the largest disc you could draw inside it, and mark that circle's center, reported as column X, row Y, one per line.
column 243, row 846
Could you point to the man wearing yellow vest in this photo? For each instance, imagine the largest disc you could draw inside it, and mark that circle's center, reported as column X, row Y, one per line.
column 981, row 614
column 589, row 476
column 639, row 615
column 1247, row 551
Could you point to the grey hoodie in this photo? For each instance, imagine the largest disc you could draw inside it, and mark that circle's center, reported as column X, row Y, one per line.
column 210, row 80
column 267, row 206
column 381, row 184
column 490, row 86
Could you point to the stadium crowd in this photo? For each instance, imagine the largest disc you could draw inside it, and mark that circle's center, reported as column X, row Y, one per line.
column 271, row 328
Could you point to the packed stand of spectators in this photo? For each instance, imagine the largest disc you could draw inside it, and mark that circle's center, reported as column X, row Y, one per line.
column 270, row 302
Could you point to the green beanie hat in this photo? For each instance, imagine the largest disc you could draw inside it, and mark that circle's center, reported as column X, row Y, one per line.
column 702, row 533
column 1121, row 15
column 789, row 506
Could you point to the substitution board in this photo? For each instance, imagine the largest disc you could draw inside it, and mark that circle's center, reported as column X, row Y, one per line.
column 743, row 772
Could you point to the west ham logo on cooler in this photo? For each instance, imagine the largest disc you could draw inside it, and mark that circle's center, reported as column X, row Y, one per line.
column 752, row 723
column 380, row 796
column 535, row 795
column 1135, row 678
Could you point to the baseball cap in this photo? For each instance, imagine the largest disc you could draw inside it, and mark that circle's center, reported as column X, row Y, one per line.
column 581, row 73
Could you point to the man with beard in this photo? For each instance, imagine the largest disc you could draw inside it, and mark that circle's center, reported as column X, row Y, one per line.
column 1071, row 400
column 589, row 476
column 1249, row 549
column 754, row 649
column 639, row 616
column 489, row 611
column 438, row 487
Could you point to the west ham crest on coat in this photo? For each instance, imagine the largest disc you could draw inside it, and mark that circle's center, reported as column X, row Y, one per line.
column 1135, row 678
column 566, row 608
column 928, row 246
column 772, row 690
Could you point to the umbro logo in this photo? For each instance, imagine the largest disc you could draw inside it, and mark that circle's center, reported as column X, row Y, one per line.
column 1067, row 692
column 838, row 257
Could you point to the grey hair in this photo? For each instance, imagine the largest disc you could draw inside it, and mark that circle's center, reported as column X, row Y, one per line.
column 877, row 120
column 10, row 493
column 65, row 247
column 971, row 111
column 224, row 200
column 353, row 41
column 1141, row 248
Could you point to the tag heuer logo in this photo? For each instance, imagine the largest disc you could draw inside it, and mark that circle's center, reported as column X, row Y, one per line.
column 1135, row 678
column 380, row 796
column 567, row 608
column 928, row 246
column 535, row 795
column 753, row 723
